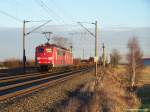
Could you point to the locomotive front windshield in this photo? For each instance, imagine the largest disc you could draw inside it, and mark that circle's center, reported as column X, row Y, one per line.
column 48, row 50
column 40, row 50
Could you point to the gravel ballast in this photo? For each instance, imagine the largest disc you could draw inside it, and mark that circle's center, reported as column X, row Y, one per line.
column 45, row 99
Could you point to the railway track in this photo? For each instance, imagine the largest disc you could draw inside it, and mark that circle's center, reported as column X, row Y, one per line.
column 16, row 71
column 14, row 86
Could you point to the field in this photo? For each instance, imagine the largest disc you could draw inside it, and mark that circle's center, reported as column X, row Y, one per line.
column 146, row 74
column 143, row 92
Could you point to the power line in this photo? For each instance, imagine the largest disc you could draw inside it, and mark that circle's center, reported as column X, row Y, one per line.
column 62, row 12
column 45, row 8
column 50, row 11
column 38, row 26
column 53, row 12
column 11, row 16
column 86, row 29
column 39, row 3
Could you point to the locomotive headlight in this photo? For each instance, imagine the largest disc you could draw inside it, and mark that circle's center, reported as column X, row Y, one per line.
column 38, row 58
column 49, row 58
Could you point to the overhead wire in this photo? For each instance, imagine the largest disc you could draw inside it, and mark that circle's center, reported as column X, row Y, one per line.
column 50, row 11
column 38, row 27
column 63, row 13
column 53, row 13
column 11, row 16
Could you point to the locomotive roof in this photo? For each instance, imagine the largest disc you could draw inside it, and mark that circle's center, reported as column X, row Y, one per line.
column 53, row 45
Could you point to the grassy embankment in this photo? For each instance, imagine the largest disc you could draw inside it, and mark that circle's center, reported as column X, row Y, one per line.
column 108, row 95
column 143, row 92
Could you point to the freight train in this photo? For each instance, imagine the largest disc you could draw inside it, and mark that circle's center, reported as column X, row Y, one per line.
column 49, row 56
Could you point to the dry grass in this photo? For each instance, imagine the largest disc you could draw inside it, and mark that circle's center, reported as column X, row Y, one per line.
column 100, row 96
column 146, row 70
column 12, row 63
column 124, row 77
column 120, row 69
column 15, row 63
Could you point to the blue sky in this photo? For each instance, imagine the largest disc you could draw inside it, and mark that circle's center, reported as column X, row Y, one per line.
column 118, row 20
column 134, row 13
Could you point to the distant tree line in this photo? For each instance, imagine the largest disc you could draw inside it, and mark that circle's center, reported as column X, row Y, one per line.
column 15, row 63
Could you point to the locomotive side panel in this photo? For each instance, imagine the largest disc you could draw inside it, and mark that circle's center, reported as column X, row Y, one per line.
column 59, row 57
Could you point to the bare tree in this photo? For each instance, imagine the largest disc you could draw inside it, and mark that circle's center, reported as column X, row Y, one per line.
column 115, row 57
column 134, row 58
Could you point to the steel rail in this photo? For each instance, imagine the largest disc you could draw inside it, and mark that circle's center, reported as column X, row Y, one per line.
column 16, row 71
column 24, row 75
column 32, row 89
column 16, row 76
column 32, row 81
column 29, row 76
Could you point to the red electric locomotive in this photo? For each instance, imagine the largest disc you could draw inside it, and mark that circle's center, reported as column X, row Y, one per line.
column 48, row 56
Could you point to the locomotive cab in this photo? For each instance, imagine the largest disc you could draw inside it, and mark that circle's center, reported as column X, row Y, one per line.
column 44, row 57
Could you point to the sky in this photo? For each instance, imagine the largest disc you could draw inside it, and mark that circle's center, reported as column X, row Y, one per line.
column 133, row 13
column 124, row 18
